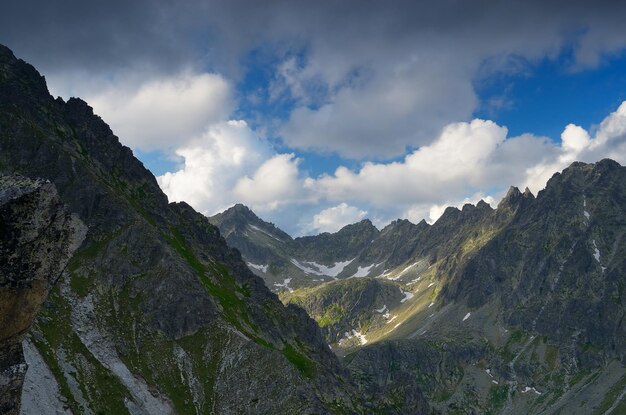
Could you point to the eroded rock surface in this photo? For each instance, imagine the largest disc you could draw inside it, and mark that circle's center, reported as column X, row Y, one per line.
column 37, row 238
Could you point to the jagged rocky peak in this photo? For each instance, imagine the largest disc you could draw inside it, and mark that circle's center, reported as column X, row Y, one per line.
column 365, row 225
column 241, row 209
column 240, row 217
column 403, row 225
column 37, row 238
column 528, row 194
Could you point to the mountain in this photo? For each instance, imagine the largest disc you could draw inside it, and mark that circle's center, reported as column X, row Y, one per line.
column 529, row 313
column 518, row 309
column 286, row 263
column 154, row 313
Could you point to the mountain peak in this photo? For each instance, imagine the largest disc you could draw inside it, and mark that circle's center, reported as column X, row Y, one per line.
column 511, row 199
column 239, row 217
column 363, row 225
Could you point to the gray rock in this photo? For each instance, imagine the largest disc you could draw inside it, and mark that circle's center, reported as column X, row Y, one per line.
column 37, row 238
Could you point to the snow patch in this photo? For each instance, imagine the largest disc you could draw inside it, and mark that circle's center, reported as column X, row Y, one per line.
column 364, row 271
column 349, row 335
column 596, row 251
column 466, row 316
column 414, row 281
column 404, row 271
column 407, row 295
column 529, row 389
column 431, row 304
column 265, row 232
column 488, row 371
column 262, row 268
column 312, row 267
column 307, row 270
column 494, row 381
column 587, row 215
column 285, row 284
column 384, row 311
column 333, row 270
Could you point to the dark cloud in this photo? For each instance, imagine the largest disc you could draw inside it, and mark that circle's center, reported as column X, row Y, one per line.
column 98, row 36
column 116, row 33
column 391, row 73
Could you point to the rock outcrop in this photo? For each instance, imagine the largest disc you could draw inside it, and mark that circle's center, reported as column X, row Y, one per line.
column 37, row 239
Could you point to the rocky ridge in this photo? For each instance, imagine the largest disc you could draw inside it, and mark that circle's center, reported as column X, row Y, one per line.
column 518, row 309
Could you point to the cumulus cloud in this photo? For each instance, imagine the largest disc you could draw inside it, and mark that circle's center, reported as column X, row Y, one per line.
column 335, row 218
column 454, row 164
column 577, row 144
column 229, row 164
column 213, row 163
column 164, row 113
column 467, row 162
column 277, row 181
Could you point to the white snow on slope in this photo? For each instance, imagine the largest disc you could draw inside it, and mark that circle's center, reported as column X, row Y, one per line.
column 407, row 295
column 404, row 271
column 318, row 269
column 385, row 312
column 467, row 316
column 307, row 270
column 596, row 251
column 333, row 270
column 357, row 334
column 596, row 255
column 528, row 389
column 585, row 208
column 262, row 268
column 265, row 232
column 285, row 284
column 363, row 271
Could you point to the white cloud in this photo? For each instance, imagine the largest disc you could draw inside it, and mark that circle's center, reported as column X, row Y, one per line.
column 165, row 113
column 577, row 144
column 467, row 162
column 453, row 165
column 229, row 164
column 213, row 163
column 335, row 218
column 274, row 183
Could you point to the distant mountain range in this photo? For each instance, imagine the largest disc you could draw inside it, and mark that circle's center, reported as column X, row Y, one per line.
column 518, row 309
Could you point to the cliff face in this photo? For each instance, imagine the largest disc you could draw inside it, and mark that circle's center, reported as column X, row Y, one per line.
column 37, row 238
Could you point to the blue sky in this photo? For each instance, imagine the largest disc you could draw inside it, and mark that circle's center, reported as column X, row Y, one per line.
column 549, row 95
column 320, row 114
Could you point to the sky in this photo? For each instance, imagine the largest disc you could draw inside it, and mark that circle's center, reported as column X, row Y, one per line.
column 320, row 114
